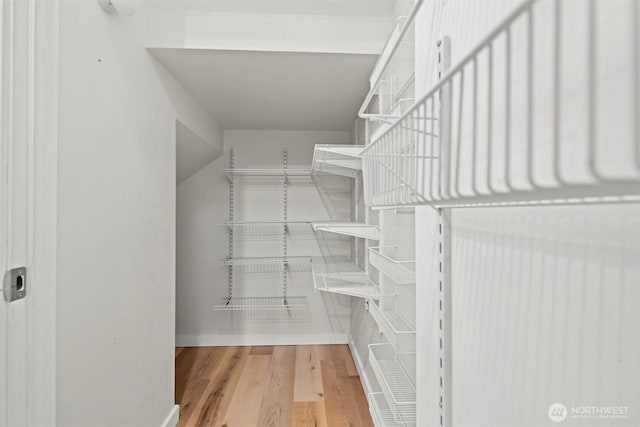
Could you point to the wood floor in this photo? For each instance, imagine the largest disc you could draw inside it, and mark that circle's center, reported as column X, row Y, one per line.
column 279, row 386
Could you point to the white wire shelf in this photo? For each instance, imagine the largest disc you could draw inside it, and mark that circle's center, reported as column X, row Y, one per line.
column 270, row 264
column 393, row 74
column 383, row 416
column 384, row 259
column 267, row 173
column 344, row 279
column 354, row 229
column 337, row 159
column 395, row 328
column 268, row 308
column 496, row 131
column 269, row 228
column 400, row 393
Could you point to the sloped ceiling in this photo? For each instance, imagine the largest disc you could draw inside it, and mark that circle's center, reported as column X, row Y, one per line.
column 273, row 90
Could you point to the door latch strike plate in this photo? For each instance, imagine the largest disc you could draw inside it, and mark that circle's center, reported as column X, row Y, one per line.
column 14, row 285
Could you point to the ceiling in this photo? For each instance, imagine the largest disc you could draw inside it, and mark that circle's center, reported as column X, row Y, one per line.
column 251, row 90
column 280, row 7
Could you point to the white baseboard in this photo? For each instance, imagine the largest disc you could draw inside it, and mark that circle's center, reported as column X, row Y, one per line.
column 172, row 417
column 364, row 379
column 258, row 339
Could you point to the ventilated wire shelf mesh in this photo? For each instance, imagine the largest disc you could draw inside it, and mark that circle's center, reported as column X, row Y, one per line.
column 244, row 230
column 267, row 175
column 337, row 159
column 398, row 389
column 384, row 259
column 343, row 278
column 268, row 308
column 383, row 416
column 269, row 264
column 394, row 328
column 392, row 79
column 506, row 126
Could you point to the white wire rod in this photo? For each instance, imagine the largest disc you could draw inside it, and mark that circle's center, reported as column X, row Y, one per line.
column 467, row 58
column 616, row 192
column 391, row 376
column 267, row 260
column 396, row 45
column 354, row 229
column 394, row 328
column 250, row 223
column 266, row 172
column 385, row 416
column 411, row 80
column 444, row 182
column 396, row 24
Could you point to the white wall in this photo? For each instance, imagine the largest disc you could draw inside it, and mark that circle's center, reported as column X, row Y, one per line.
column 202, row 244
column 179, row 25
column 115, row 299
column 542, row 297
column 198, row 134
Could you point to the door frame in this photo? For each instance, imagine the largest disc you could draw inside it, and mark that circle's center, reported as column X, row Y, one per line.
column 40, row 63
column 42, row 331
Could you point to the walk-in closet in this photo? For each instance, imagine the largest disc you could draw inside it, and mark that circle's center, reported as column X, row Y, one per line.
column 320, row 213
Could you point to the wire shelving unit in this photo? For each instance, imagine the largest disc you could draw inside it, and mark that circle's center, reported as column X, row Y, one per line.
column 353, row 229
column 266, row 173
column 345, row 279
column 383, row 415
column 398, row 389
column 384, row 259
column 394, row 328
column 269, row 228
column 337, row 159
column 475, row 139
column 282, row 307
column 268, row 308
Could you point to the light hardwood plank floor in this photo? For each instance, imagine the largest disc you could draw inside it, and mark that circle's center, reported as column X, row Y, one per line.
column 269, row 386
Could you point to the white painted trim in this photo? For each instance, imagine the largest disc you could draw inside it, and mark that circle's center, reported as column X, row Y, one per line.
column 42, row 371
column 259, row 339
column 364, row 379
column 172, row 418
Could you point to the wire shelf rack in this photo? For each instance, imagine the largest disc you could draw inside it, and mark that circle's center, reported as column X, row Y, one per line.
column 292, row 308
column 270, row 264
column 384, row 259
column 337, row 159
column 267, row 173
column 394, row 328
column 353, row 229
column 383, row 416
column 506, row 126
column 392, row 78
column 344, row 279
column 269, row 228
column 398, row 389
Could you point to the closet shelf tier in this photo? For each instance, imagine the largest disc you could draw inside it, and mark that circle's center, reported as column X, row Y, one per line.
column 400, row 393
column 447, row 151
column 335, row 159
column 384, row 259
column 269, row 173
column 354, row 229
column 394, row 328
column 268, row 308
column 267, row 264
column 383, row 416
column 269, row 227
column 393, row 77
column 345, row 279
